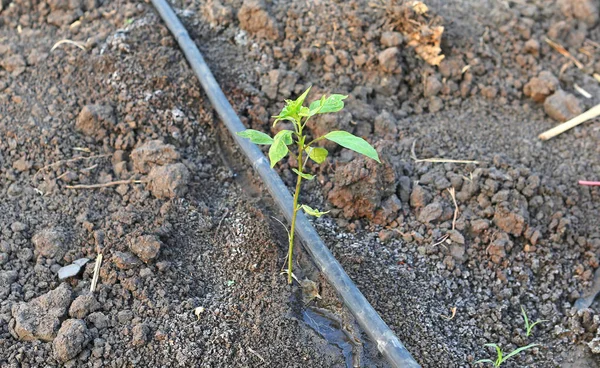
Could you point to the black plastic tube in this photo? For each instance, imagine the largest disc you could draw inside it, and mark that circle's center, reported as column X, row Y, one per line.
column 388, row 344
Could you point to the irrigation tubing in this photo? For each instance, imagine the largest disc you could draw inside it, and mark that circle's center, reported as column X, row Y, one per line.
column 387, row 343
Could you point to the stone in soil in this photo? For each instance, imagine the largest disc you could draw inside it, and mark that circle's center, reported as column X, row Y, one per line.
column 146, row 247
column 72, row 338
column 562, row 106
column 168, row 181
column 51, row 243
column 151, row 154
column 96, row 120
column 40, row 318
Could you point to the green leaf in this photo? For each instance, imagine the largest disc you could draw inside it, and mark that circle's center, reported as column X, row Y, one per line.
column 517, row 351
column 300, row 100
column 312, row 211
column 256, row 137
column 525, row 317
column 279, row 147
column 285, row 114
column 333, row 103
column 353, row 142
column 306, row 176
column 292, row 109
column 317, row 154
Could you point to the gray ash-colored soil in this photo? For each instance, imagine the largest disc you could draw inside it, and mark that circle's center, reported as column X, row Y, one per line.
column 196, row 232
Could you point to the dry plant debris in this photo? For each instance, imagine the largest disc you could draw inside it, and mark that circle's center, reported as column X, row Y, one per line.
column 422, row 32
column 561, row 50
column 559, row 129
column 71, row 42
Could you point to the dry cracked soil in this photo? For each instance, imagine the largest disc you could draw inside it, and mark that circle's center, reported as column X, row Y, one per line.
column 108, row 145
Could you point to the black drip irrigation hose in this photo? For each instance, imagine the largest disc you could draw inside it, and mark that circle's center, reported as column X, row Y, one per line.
column 387, row 343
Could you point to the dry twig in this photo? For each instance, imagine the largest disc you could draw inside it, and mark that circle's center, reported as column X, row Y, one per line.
column 62, row 162
column 561, row 50
column 104, row 185
column 559, row 129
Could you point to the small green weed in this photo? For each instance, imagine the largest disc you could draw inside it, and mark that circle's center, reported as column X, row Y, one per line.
column 298, row 114
column 500, row 358
column 529, row 326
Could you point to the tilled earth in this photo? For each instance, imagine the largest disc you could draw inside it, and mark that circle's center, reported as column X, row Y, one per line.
column 192, row 251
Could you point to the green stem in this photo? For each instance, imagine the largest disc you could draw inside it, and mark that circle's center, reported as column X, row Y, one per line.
column 296, row 195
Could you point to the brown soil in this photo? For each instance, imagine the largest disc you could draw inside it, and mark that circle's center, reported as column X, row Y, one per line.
column 192, row 253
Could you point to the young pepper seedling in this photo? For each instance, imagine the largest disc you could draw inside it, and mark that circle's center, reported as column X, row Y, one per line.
column 298, row 114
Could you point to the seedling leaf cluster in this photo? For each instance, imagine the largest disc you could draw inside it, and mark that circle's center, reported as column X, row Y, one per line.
column 500, row 357
column 296, row 112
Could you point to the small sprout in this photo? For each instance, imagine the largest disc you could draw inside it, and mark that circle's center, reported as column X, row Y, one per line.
column 529, row 326
column 128, row 21
column 298, row 114
column 230, row 283
column 500, row 358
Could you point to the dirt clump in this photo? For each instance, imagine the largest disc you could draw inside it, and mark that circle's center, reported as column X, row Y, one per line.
column 542, row 86
column 51, row 243
column 41, row 317
column 151, row 154
column 169, row 181
column 585, row 10
column 146, row 247
column 71, row 339
column 96, row 120
column 83, row 305
column 361, row 187
column 562, row 106
column 254, row 18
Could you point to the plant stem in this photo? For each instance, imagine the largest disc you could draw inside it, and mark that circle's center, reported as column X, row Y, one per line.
column 296, row 195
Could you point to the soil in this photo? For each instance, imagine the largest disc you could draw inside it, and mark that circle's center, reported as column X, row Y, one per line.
column 192, row 248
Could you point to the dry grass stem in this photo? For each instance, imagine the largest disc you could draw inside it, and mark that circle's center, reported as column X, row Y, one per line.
column 104, row 185
column 561, row 50
column 582, row 91
column 62, row 162
column 441, row 241
column 257, row 354
column 96, row 272
column 590, row 114
column 451, row 317
column 452, row 192
column 71, row 42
